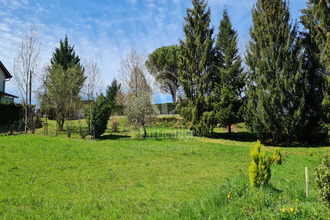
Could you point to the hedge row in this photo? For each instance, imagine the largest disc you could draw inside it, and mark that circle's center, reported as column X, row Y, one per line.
column 167, row 108
column 10, row 112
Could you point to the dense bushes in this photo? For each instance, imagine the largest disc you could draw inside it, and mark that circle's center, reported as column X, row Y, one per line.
column 10, row 112
column 322, row 179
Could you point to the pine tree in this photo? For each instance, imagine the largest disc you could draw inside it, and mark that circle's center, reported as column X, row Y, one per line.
column 276, row 84
column 316, row 21
column 163, row 65
column 230, row 76
column 195, row 68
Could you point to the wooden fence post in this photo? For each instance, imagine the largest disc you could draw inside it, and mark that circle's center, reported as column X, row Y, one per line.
column 306, row 176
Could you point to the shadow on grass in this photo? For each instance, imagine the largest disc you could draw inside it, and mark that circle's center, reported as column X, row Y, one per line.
column 237, row 136
column 113, row 137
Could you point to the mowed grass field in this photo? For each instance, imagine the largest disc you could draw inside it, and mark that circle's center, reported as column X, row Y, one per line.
column 169, row 176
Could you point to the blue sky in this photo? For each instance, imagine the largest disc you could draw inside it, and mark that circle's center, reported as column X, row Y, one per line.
column 106, row 29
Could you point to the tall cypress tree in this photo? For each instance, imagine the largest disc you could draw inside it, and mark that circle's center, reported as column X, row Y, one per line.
column 316, row 21
column 195, row 68
column 230, row 75
column 276, row 84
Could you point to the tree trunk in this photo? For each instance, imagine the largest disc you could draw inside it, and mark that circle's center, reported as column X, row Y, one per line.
column 30, row 102
column 229, row 130
column 145, row 131
column 173, row 93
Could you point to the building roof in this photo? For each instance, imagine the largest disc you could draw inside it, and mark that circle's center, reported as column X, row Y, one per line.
column 7, row 74
column 9, row 95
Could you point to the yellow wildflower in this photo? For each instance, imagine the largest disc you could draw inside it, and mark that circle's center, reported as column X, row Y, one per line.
column 228, row 196
column 297, row 200
column 283, row 210
column 291, row 209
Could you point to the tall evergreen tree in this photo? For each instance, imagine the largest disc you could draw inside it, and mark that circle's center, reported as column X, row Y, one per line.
column 316, row 21
column 228, row 87
column 64, row 81
column 195, row 68
column 111, row 95
column 65, row 55
column 276, row 84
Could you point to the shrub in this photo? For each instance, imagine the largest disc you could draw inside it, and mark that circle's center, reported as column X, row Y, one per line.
column 277, row 158
column 259, row 170
column 322, row 179
column 114, row 123
column 10, row 112
column 97, row 116
column 310, row 153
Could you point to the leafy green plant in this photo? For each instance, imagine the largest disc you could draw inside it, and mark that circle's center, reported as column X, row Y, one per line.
column 277, row 157
column 114, row 124
column 322, row 179
column 97, row 116
column 310, row 153
column 259, row 170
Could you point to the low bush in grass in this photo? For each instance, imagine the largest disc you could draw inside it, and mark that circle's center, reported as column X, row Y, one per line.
column 277, row 157
column 259, row 170
column 236, row 199
column 114, row 124
column 322, row 179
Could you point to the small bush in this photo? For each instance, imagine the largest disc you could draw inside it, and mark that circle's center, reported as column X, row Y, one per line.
column 277, row 157
column 114, row 124
column 310, row 153
column 97, row 116
column 322, row 179
column 259, row 170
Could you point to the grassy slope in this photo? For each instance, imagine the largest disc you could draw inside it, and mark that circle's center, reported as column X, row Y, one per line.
column 166, row 177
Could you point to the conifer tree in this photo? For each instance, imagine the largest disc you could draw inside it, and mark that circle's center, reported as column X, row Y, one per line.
column 276, row 84
column 64, row 81
column 230, row 77
column 195, row 68
column 316, row 21
column 163, row 65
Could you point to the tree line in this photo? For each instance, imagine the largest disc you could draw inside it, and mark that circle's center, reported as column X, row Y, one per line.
column 280, row 88
column 281, row 93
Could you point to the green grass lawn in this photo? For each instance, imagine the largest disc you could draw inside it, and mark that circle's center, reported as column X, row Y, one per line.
column 167, row 176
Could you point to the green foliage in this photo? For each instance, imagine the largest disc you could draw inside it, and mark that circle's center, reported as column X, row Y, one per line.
column 195, row 64
column 163, row 65
column 171, row 108
column 229, row 79
column 277, row 83
column 97, row 116
column 112, row 94
column 316, row 20
column 277, row 157
column 235, row 199
column 259, row 170
column 63, row 83
column 322, row 179
column 10, row 112
column 65, row 55
column 63, row 88
column 114, row 124
column 140, row 111
column 310, row 153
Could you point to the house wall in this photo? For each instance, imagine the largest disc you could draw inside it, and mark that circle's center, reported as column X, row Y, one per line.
column 2, row 79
